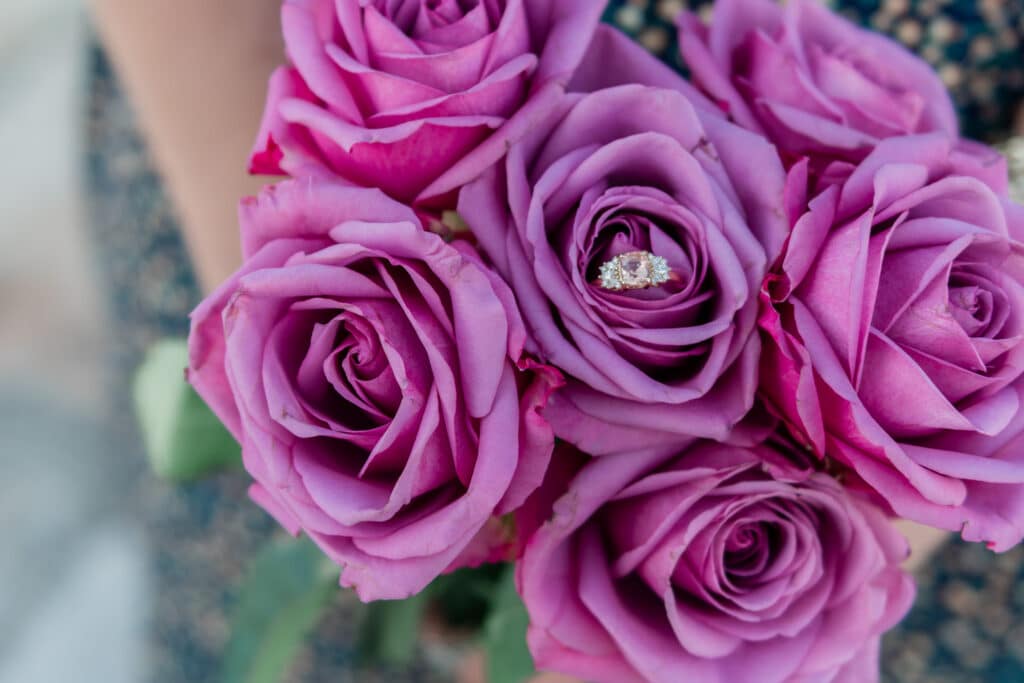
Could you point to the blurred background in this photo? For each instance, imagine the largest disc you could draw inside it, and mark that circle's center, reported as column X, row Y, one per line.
column 109, row 576
column 75, row 589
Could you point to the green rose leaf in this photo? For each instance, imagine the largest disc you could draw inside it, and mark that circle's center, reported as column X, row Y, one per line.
column 184, row 439
column 286, row 591
column 508, row 658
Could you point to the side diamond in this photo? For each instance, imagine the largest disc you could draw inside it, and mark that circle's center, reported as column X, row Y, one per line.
column 659, row 270
column 610, row 275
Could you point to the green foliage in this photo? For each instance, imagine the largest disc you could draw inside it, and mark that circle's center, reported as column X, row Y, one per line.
column 465, row 597
column 479, row 599
column 391, row 630
column 184, row 439
column 508, row 658
column 285, row 593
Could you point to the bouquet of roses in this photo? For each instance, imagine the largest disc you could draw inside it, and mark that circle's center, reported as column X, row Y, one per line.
column 679, row 349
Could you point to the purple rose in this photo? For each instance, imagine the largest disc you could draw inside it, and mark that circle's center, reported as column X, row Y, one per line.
column 374, row 376
column 719, row 565
column 619, row 171
column 895, row 325
column 395, row 93
column 811, row 81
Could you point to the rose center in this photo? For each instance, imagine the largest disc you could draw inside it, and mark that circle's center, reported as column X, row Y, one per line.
column 448, row 11
column 622, row 258
column 971, row 306
column 746, row 549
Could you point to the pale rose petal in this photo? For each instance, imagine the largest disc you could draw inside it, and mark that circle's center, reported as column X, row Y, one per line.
column 614, row 59
column 567, row 22
column 447, row 72
column 708, row 77
column 498, row 93
column 305, row 49
column 400, row 159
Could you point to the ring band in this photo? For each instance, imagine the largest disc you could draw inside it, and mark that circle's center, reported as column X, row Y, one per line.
column 634, row 270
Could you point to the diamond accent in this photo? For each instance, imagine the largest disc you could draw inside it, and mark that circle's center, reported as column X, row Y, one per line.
column 634, row 270
column 610, row 275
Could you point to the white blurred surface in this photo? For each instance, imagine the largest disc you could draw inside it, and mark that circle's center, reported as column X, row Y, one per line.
column 70, row 636
column 73, row 596
column 48, row 301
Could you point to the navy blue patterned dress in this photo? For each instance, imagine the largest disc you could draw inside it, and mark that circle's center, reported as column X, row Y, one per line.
column 968, row 623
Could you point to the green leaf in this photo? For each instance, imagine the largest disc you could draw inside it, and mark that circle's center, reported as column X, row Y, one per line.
column 284, row 595
column 464, row 597
column 391, row 630
column 184, row 439
column 508, row 658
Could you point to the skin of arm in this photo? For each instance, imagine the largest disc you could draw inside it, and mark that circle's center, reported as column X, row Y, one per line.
column 196, row 72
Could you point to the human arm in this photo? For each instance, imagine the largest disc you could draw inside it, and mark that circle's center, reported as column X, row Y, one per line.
column 196, row 72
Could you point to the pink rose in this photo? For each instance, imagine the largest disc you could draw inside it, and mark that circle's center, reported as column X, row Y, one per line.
column 636, row 169
column 894, row 328
column 719, row 565
column 396, row 94
column 811, row 81
column 374, row 376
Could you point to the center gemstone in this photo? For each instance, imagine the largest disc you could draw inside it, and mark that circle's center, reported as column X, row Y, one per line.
column 635, row 269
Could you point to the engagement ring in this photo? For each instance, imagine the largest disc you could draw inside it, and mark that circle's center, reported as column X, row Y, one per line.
column 634, row 270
